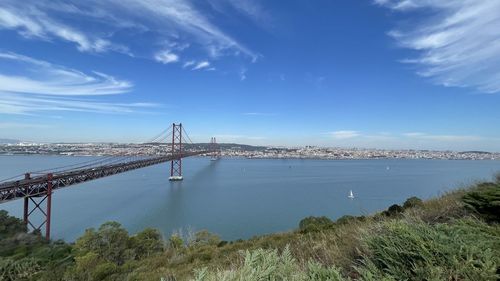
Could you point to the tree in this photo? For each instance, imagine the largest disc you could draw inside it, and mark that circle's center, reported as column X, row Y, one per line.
column 146, row 243
column 110, row 242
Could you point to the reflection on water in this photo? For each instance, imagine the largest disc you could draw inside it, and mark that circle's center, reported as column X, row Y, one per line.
column 239, row 198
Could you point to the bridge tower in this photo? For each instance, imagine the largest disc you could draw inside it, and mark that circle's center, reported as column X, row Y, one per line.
column 176, row 150
column 214, row 149
column 38, row 206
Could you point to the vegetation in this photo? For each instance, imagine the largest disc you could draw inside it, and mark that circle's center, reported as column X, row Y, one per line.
column 454, row 237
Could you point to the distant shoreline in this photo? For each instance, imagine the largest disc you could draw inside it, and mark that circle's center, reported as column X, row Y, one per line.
column 262, row 158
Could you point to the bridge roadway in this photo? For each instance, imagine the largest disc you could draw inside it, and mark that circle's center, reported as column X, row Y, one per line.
column 38, row 186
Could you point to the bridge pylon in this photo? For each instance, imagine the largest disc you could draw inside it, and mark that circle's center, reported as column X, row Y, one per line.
column 46, row 196
column 214, row 149
column 176, row 150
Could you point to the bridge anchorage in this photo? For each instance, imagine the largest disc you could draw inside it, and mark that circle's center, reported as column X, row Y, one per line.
column 36, row 188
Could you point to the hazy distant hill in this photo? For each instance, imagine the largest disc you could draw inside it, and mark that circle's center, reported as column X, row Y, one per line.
column 244, row 147
column 9, row 141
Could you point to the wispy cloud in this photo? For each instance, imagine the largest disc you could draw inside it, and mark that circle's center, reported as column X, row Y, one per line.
column 201, row 65
column 443, row 138
column 50, row 87
column 180, row 22
column 258, row 114
column 50, row 79
column 32, row 21
column 16, row 125
column 188, row 64
column 458, row 41
column 249, row 8
column 166, row 57
column 230, row 138
column 342, row 135
column 243, row 74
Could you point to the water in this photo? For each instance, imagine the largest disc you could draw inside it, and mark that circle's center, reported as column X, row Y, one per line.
column 240, row 198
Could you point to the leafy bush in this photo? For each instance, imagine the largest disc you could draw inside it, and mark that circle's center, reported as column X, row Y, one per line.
column 315, row 224
column 204, row 237
column 485, row 201
column 146, row 243
column 412, row 202
column 393, row 210
column 349, row 219
column 109, row 242
column 9, row 226
column 175, row 241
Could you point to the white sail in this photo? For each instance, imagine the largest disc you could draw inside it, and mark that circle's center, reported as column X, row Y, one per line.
column 351, row 195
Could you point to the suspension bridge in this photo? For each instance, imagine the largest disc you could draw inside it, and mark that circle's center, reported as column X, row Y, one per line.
column 36, row 188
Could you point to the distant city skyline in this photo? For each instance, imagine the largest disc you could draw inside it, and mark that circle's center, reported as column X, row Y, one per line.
column 392, row 74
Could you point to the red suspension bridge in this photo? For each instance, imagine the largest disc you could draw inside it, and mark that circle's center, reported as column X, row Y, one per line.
column 36, row 188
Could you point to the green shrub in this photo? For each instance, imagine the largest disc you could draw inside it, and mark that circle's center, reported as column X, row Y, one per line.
column 315, row 224
column 109, row 242
column 412, row 202
column 393, row 210
column 349, row 219
column 412, row 250
column 345, row 219
column 146, row 243
column 204, row 237
column 175, row 241
column 9, row 226
column 485, row 201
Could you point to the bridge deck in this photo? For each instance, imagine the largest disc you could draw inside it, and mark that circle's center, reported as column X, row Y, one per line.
column 37, row 186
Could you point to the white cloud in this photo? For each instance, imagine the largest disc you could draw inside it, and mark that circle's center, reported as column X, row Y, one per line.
column 32, row 22
column 341, row 135
column 166, row 57
column 201, row 65
column 188, row 63
column 178, row 22
column 232, row 138
column 442, row 138
column 49, row 79
column 16, row 125
column 49, row 87
column 258, row 114
column 250, row 8
column 243, row 74
column 458, row 41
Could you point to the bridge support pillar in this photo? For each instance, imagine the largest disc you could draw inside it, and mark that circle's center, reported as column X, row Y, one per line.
column 176, row 150
column 46, row 214
column 26, row 201
column 214, row 148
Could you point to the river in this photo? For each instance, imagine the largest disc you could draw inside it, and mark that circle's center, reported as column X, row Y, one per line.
column 240, row 198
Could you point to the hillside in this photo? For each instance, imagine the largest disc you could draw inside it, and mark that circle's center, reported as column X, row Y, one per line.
column 454, row 237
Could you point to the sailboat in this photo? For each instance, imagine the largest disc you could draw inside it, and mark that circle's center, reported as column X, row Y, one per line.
column 351, row 195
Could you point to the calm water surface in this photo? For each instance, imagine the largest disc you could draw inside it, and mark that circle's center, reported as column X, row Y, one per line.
column 240, row 198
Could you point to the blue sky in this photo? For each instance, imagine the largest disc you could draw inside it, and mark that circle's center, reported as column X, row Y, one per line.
column 385, row 73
